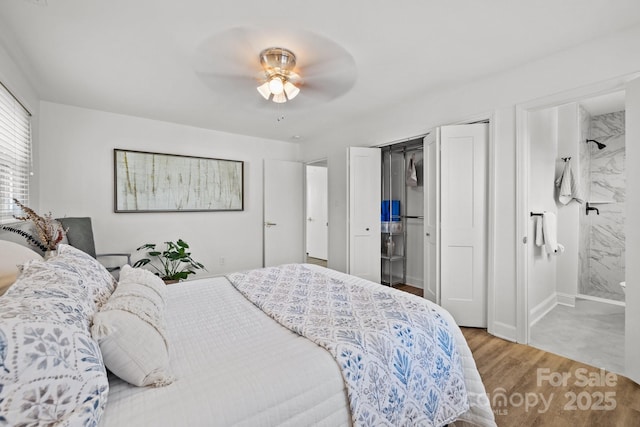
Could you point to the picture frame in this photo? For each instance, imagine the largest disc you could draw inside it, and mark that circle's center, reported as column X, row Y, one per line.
column 160, row 182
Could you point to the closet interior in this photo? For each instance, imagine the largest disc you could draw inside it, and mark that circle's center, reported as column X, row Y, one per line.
column 402, row 214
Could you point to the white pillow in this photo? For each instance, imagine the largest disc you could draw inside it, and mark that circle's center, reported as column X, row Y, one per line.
column 144, row 277
column 11, row 256
column 130, row 329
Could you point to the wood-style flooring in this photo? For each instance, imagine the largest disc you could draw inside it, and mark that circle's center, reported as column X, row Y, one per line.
column 316, row 261
column 531, row 387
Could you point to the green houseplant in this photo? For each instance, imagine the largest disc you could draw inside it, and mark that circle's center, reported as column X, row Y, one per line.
column 175, row 262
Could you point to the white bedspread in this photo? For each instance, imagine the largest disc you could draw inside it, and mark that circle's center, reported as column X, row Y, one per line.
column 232, row 369
column 235, row 366
column 397, row 353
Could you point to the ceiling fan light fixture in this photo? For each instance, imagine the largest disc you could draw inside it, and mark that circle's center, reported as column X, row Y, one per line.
column 278, row 64
column 276, row 85
column 264, row 90
column 279, row 98
column 290, row 90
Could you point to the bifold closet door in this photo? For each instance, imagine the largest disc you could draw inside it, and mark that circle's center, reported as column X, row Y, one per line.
column 431, row 175
column 364, row 212
column 463, row 288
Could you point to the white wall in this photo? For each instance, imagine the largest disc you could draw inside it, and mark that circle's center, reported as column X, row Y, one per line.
column 76, row 179
column 497, row 94
column 569, row 214
column 543, row 127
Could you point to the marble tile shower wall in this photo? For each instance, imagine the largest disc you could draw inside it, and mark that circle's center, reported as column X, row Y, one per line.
column 605, row 249
column 585, row 180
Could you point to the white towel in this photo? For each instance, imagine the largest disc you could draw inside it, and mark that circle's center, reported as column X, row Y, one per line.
column 569, row 188
column 412, row 176
column 539, row 234
column 549, row 229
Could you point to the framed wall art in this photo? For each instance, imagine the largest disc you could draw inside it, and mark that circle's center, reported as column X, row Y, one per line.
column 157, row 182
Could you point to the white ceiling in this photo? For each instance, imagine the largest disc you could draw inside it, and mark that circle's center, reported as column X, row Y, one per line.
column 604, row 104
column 141, row 57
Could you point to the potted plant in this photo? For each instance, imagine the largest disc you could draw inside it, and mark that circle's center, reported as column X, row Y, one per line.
column 48, row 231
column 175, row 262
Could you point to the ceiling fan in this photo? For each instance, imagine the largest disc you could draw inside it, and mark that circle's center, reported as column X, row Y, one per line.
column 236, row 61
column 281, row 81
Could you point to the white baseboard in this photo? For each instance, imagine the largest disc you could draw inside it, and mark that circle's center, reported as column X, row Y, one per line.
column 604, row 300
column 539, row 311
column 502, row 330
column 566, row 299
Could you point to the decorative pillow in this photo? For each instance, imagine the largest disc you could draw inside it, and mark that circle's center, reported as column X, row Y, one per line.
column 11, row 256
column 51, row 370
column 99, row 281
column 55, row 291
column 130, row 329
column 144, row 277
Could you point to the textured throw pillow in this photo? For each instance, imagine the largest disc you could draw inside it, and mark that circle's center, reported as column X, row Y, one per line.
column 144, row 277
column 51, row 370
column 130, row 329
column 11, row 256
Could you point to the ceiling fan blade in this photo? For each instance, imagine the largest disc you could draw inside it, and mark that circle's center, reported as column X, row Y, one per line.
column 231, row 52
column 224, row 79
column 229, row 64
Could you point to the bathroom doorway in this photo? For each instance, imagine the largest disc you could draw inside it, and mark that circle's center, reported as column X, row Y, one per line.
column 571, row 302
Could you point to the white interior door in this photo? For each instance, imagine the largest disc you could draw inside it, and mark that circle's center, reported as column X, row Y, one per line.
column 431, row 179
column 632, row 230
column 283, row 212
column 463, row 223
column 317, row 212
column 364, row 173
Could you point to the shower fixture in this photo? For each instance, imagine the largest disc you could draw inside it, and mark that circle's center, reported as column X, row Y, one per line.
column 599, row 144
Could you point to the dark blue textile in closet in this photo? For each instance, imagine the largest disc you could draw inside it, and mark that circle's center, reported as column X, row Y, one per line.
column 390, row 210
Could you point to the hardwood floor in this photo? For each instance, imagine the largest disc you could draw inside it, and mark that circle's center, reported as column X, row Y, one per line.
column 410, row 289
column 316, row 261
column 531, row 387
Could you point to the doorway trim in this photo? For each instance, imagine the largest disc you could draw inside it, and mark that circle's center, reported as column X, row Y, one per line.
column 522, row 181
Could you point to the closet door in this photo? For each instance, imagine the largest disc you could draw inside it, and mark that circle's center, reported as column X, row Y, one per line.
column 364, row 212
column 463, row 287
column 431, row 175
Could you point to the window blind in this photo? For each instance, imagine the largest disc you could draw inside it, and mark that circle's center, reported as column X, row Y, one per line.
column 15, row 154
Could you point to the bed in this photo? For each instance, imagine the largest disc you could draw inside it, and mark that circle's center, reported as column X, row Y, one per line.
column 228, row 362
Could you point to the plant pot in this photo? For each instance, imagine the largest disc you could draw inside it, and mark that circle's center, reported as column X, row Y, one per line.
column 50, row 253
column 170, row 281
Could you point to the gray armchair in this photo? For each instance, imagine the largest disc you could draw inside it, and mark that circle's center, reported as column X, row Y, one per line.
column 80, row 235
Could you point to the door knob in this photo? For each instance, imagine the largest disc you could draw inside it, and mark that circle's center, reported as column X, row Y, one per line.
column 309, row 219
column 428, row 234
column 269, row 224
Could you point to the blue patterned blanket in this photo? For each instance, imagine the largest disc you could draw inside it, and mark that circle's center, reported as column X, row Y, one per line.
column 396, row 352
